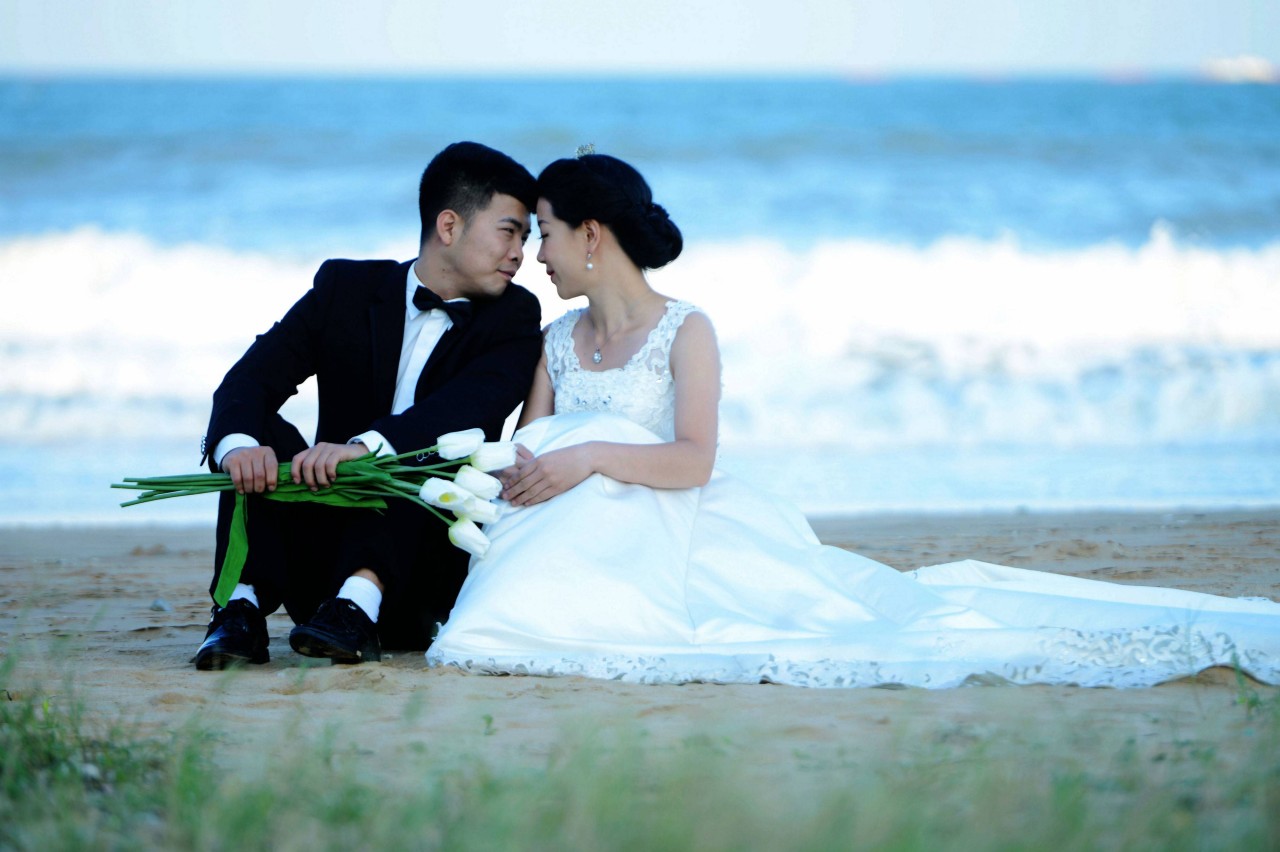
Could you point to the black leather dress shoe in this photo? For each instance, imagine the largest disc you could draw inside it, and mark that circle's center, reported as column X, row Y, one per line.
column 339, row 631
column 237, row 635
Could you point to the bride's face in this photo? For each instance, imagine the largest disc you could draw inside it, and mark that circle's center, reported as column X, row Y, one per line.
column 562, row 251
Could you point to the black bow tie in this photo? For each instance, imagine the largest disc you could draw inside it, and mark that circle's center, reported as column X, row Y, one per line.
column 426, row 300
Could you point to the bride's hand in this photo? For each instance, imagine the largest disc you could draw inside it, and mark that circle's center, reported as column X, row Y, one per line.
column 547, row 475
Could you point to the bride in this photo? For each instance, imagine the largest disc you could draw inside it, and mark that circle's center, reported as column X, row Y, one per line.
column 626, row 555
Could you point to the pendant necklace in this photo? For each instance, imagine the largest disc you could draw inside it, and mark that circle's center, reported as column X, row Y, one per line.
column 596, row 357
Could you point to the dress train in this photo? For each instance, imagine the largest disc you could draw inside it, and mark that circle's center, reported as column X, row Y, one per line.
column 727, row 584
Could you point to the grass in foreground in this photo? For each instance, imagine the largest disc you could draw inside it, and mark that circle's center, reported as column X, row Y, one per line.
column 65, row 783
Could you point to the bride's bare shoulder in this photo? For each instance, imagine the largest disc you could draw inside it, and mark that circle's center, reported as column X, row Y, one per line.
column 696, row 323
column 695, row 340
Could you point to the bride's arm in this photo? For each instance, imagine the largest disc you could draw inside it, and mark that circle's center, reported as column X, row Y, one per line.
column 539, row 403
column 683, row 463
column 541, row 399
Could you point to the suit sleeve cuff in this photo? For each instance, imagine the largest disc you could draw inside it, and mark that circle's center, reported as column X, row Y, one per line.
column 376, row 442
column 234, row 441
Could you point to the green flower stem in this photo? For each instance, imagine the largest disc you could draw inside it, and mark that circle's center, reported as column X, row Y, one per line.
column 366, row 482
column 432, row 509
column 412, row 454
column 152, row 496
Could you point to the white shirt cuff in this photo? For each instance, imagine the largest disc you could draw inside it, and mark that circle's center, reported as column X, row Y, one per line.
column 234, row 441
column 374, row 441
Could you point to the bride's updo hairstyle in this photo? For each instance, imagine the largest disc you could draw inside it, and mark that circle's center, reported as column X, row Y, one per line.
column 600, row 187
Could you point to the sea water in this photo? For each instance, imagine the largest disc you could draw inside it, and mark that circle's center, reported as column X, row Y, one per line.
column 931, row 294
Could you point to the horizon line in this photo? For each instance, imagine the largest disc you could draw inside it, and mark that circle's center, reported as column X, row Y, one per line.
column 1119, row 74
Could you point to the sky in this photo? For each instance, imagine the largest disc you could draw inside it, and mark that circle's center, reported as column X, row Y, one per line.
column 860, row 37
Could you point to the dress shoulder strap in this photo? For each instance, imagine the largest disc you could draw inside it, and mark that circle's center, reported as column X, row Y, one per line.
column 665, row 332
column 558, row 343
column 656, row 352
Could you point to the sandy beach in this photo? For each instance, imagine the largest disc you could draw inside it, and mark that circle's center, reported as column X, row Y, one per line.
column 115, row 613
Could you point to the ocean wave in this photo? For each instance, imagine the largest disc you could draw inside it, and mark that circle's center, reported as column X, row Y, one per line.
column 849, row 342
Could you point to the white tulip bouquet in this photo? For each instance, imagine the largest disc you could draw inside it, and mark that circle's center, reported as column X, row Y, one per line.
column 458, row 484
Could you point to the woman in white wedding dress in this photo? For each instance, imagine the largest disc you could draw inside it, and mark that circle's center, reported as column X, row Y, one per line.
column 625, row 555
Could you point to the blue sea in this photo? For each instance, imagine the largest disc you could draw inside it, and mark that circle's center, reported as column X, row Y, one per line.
column 931, row 294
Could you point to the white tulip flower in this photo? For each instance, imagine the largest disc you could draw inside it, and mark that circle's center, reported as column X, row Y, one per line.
column 456, row 445
column 480, row 511
column 444, row 494
column 466, row 535
column 494, row 455
column 482, row 485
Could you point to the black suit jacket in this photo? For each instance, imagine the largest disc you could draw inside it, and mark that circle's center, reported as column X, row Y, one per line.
column 347, row 331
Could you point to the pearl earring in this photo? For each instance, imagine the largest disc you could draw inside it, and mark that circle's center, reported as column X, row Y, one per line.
column 590, row 265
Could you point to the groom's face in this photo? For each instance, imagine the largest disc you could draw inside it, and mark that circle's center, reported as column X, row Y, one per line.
column 490, row 248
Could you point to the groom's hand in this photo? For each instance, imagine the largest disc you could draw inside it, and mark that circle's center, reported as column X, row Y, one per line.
column 318, row 466
column 252, row 469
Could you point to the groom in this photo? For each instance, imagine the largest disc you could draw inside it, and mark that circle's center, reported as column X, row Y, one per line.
column 402, row 353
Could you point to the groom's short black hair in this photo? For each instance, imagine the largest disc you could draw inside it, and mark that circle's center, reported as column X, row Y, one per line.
column 464, row 178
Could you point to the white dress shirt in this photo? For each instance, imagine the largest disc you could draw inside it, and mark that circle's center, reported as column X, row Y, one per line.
column 422, row 331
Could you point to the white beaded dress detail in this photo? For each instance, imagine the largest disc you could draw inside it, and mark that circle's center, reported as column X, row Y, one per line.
column 726, row 584
column 640, row 391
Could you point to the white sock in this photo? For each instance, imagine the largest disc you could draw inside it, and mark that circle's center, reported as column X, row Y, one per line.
column 364, row 594
column 244, row 592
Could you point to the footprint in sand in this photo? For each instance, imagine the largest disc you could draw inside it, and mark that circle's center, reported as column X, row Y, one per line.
column 363, row 678
column 1134, row 572
column 810, row 733
column 1077, row 549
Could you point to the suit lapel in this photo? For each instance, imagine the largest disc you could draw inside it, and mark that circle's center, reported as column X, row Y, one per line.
column 386, row 332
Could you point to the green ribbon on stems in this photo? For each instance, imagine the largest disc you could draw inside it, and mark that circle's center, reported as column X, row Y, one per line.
column 361, row 483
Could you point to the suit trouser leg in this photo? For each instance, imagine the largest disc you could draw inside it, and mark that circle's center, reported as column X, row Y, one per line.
column 300, row 554
column 287, row 562
column 421, row 571
column 292, row 559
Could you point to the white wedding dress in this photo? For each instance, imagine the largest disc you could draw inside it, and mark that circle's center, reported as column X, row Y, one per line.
column 726, row 584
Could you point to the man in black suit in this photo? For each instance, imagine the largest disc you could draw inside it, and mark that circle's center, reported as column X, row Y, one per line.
column 402, row 353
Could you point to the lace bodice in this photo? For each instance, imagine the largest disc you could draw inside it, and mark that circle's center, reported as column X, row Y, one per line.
column 642, row 390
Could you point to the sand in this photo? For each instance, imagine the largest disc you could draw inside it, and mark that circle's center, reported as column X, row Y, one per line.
column 117, row 612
